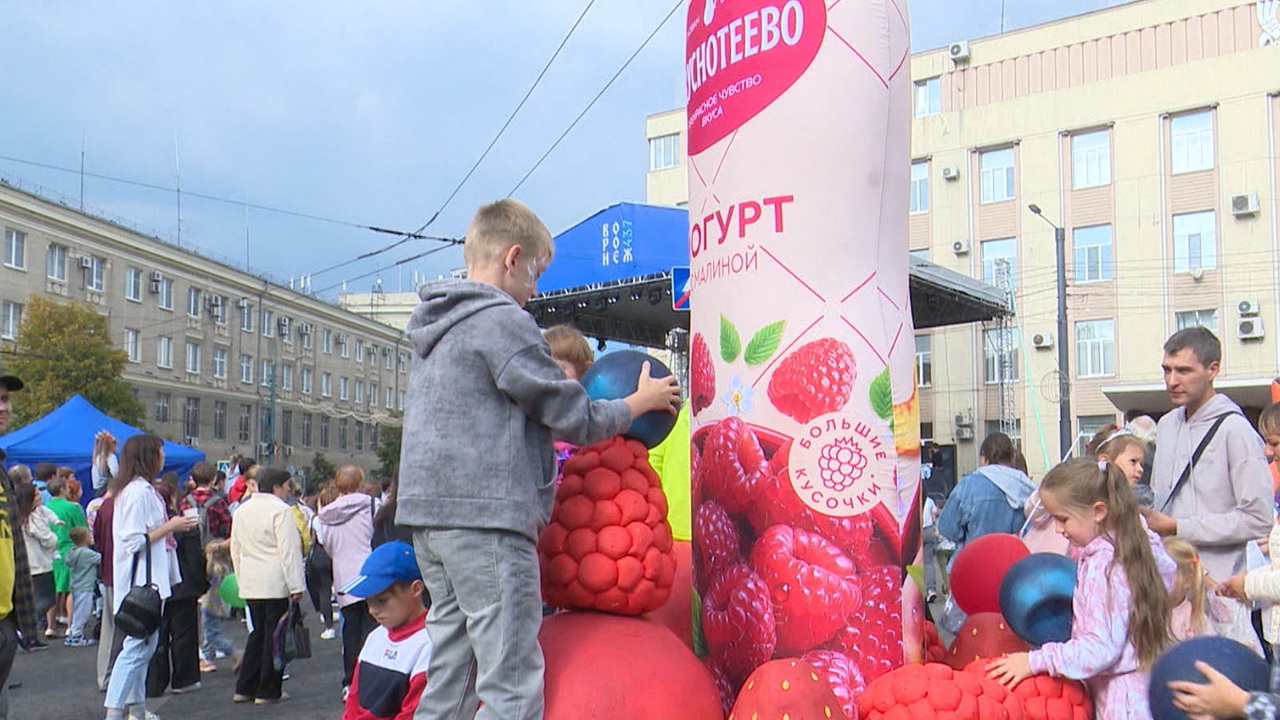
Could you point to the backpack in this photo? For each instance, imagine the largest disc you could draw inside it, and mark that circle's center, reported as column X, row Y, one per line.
column 202, row 510
column 304, row 527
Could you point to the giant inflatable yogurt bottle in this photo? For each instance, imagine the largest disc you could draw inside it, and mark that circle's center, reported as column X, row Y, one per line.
column 806, row 438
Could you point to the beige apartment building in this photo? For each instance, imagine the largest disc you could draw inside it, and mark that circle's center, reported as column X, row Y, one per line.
column 223, row 360
column 1147, row 131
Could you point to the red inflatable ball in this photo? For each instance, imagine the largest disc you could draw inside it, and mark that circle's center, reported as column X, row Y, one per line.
column 1050, row 698
column 609, row 667
column 935, row 691
column 980, row 566
column 608, row 546
column 985, row 635
column 787, row 688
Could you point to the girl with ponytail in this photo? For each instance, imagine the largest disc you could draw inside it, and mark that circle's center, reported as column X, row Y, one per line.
column 1197, row 609
column 1120, row 619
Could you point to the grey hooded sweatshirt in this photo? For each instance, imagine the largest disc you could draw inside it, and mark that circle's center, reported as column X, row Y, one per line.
column 484, row 401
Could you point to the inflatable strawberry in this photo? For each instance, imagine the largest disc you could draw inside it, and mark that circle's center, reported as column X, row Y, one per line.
column 787, row 688
column 608, row 546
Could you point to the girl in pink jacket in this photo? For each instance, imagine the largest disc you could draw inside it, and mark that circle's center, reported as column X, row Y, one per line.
column 1120, row 620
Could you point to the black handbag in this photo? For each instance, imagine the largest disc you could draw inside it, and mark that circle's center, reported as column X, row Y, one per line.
column 141, row 609
column 291, row 639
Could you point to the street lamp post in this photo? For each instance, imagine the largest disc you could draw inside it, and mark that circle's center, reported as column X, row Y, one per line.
column 1065, row 424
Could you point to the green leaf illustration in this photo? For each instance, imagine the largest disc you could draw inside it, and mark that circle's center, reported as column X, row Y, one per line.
column 699, row 640
column 764, row 343
column 882, row 395
column 730, row 343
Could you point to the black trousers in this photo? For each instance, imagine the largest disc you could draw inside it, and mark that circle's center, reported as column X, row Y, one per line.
column 320, row 587
column 357, row 623
column 258, row 676
column 177, row 656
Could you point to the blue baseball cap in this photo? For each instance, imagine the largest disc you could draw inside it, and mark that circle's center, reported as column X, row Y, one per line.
column 387, row 563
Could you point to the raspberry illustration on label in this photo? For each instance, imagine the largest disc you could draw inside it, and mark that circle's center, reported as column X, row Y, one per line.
column 816, row 379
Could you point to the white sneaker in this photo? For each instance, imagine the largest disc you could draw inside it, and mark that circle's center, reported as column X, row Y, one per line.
column 329, row 634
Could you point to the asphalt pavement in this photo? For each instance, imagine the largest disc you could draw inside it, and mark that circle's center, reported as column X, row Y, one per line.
column 59, row 684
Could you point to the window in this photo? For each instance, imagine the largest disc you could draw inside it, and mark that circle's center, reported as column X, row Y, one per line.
column 344, row 347
column 1195, row 241
column 133, row 344
column 1191, row 141
column 993, row 271
column 268, row 327
column 219, row 419
column 1095, row 348
column 218, row 308
column 359, row 356
column 286, row 377
column 305, row 378
column 246, row 316
column 10, row 319
column 1013, row 429
column 928, row 97
column 386, row 358
column 359, row 398
column 268, row 373
column 1197, row 318
column 324, row 431
column 265, row 428
column 1087, row 427
column 400, row 401
column 1000, row 355
column 165, row 300
column 307, row 342
column 326, row 384
column 244, row 430
column 246, row 369
column 306, row 429
column 359, row 436
column 996, row 175
column 402, row 362
column 390, row 399
column 193, row 302
column 95, row 276
column 920, row 186
column 15, row 249
column 664, row 152
column 373, row 394
column 286, row 328
column 193, row 357
column 1092, row 249
column 326, row 341
column 191, row 418
column 220, row 363
column 163, row 400
column 164, row 352
column 55, row 262
column 342, row 433
column 286, row 427
column 133, row 284
column 343, row 382
column 924, row 360
column 1091, row 159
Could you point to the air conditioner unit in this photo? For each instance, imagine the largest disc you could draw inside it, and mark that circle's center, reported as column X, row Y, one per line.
column 964, row 433
column 1244, row 204
column 304, row 328
column 154, row 287
column 1042, row 340
column 156, row 276
column 242, row 303
column 283, row 323
column 214, row 302
column 264, row 448
column 1247, row 308
column 86, row 262
column 960, row 247
column 342, row 338
column 1250, row 329
column 964, row 420
column 958, row 51
column 192, row 441
column 950, row 172
column 386, row 351
column 288, row 450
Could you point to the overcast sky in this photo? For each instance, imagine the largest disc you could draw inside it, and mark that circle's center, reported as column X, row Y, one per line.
column 366, row 112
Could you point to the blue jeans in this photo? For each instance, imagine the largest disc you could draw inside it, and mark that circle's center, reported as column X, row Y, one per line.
column 128, row 685
column 486, row 610
column 213, row 638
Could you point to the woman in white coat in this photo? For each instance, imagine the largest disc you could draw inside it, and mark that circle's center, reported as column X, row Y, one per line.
column 42, row 547
column 140, row 526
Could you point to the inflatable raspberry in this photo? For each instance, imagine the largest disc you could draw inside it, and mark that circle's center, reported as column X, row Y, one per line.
column 1050, row 698
column 933, row 690
column 608, row 546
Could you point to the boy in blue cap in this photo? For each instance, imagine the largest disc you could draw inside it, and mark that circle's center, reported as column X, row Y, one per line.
column 391, row 672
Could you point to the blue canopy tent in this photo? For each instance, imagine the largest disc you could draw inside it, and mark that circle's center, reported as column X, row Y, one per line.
column 65, row 437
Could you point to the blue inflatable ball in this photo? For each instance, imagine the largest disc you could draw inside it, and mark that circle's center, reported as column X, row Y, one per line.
column 615, row 376
column 1238, row 662
column 1035, row 597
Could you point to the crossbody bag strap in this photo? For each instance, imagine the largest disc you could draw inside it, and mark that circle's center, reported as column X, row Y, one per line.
column 1195, row 457
column 133, row 572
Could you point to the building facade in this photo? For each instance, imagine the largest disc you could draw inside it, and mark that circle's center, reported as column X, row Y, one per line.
column 1147, row 132
column 221, row 359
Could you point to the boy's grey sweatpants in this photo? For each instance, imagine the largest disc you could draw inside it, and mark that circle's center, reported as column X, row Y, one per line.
column 486, row 610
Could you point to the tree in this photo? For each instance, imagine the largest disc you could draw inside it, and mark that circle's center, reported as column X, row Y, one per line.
column 389, row 449
column 322, row 470
column 64, row 349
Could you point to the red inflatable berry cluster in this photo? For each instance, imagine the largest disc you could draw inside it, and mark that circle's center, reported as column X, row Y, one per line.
column 814, row 380
column 1050, row 698
column 938, row 692
column 934, row 650
column 608, row 546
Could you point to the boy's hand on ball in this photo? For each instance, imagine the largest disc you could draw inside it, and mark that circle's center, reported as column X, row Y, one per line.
column 654, row 394
column 1218, row 698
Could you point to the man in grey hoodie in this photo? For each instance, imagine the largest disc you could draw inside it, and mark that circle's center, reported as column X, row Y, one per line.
column 1226, row 499
column 477, row 469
